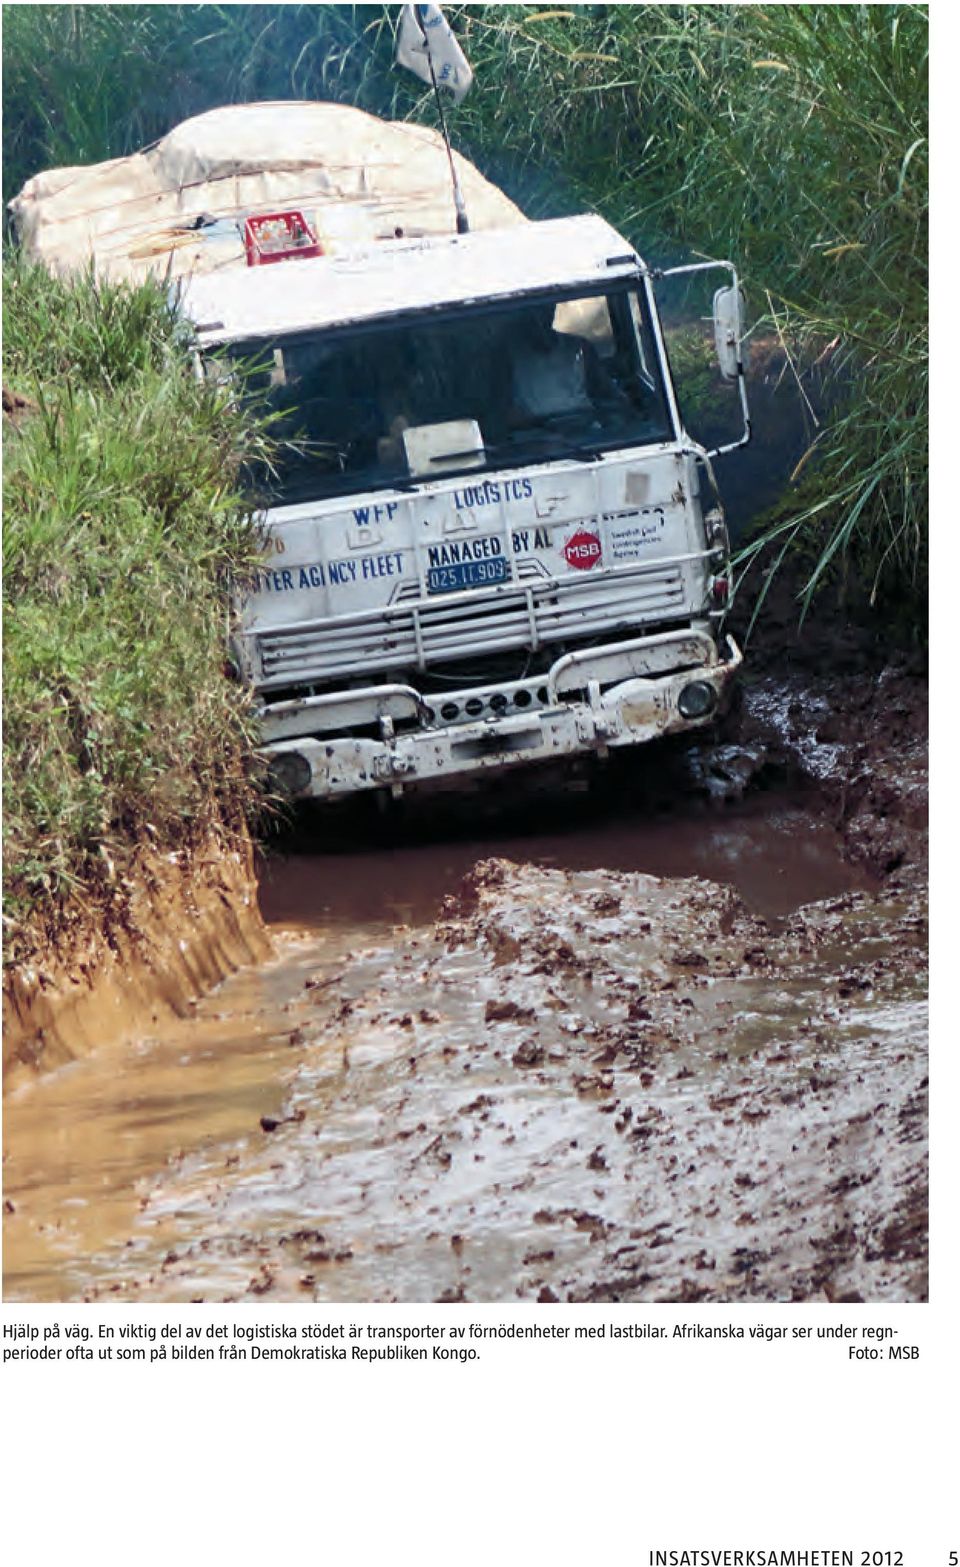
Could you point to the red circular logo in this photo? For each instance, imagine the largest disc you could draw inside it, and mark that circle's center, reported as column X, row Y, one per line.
column 582, row 550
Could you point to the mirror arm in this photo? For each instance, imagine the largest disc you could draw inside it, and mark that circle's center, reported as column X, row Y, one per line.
column 732, row 446
column 697, row 266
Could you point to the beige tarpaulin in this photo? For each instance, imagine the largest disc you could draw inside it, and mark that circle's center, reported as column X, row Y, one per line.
column 358, row 178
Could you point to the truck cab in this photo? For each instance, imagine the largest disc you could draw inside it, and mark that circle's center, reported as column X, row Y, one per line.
column 488, row 540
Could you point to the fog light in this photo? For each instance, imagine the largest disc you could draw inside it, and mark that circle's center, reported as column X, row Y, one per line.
column 697, row 699
column 290, row 772
column 474, row 707
column 449, row 711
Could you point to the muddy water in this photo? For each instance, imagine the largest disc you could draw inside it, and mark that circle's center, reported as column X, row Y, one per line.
column 773, row 851
column 580, row 1076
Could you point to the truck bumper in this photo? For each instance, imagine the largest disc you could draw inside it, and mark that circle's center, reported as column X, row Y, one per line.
column 598, row 718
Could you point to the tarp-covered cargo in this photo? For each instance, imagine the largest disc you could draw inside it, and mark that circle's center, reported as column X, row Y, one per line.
column 357, row 178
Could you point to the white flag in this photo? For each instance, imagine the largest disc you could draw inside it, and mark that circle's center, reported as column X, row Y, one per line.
column 425, row 36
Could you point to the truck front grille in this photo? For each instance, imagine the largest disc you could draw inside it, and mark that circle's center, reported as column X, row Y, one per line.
column 434, row 631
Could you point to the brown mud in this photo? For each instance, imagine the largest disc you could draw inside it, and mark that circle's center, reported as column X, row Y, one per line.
column 16, row 408
column 626, row 1053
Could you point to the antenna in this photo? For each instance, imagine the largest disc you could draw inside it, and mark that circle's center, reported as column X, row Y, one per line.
column 463, row 222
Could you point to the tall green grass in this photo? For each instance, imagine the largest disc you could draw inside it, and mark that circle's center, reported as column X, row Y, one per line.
column 122, row 527
column 792, row 139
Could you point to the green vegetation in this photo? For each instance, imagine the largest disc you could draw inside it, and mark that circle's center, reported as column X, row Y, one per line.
column 792, row 139
column 121, row 526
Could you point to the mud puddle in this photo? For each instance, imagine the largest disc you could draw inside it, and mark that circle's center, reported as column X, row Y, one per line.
column 529, row 1078
column 773, row 850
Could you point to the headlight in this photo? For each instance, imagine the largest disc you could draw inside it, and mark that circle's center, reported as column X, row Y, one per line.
column 290, row 773
column 697, row 699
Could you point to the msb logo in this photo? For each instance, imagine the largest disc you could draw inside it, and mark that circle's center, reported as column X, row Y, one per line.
column 582, row 550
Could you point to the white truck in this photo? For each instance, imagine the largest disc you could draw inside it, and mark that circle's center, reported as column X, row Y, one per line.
column 489, row 540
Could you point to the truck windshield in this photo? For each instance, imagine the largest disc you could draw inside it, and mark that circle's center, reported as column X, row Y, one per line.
column 431, row 395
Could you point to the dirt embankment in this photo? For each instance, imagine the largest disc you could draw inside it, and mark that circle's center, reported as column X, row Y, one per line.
column 168, row 927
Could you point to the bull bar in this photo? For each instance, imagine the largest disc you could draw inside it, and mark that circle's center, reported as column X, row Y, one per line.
column 591, row 701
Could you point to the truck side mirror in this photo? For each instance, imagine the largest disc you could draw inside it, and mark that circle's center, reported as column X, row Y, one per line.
column 729, row 313
column 729, row 317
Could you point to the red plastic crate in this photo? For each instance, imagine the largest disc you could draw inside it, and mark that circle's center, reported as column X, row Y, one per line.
column 278, row 236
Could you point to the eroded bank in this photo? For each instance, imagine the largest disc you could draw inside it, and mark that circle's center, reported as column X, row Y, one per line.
column 174, row 924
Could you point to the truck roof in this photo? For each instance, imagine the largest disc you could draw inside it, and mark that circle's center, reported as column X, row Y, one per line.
column 360, row 285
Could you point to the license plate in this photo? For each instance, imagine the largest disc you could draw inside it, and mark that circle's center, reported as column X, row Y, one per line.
column 468, row 574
